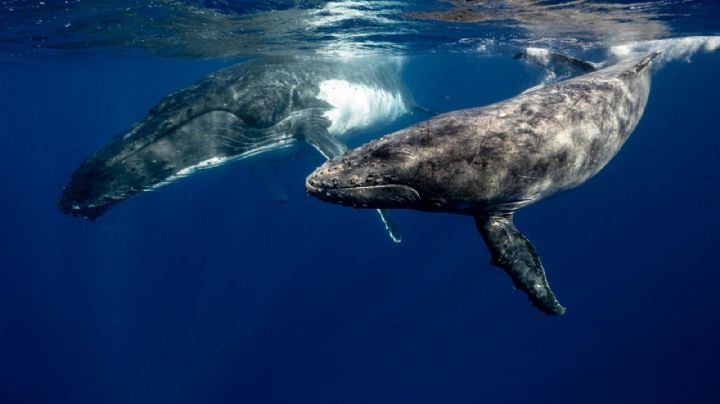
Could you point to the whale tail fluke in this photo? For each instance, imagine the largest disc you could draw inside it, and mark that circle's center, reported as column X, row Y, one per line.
column 557, row 64
column 517, row 256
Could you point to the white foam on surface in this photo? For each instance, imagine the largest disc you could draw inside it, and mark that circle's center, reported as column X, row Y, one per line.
column 358, row 106
column 672, row 49
column 542, row 55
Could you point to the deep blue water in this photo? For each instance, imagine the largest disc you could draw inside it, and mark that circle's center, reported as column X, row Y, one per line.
column 209, row 291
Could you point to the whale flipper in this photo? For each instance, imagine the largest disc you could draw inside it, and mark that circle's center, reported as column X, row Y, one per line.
column 390, row 226
column 517, row 256
column 316, row 134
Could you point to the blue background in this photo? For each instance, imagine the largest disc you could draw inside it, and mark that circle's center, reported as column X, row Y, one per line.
column 209, row 291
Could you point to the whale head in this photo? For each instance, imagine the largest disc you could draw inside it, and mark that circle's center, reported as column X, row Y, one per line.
column 408, row 169
column 383, row 174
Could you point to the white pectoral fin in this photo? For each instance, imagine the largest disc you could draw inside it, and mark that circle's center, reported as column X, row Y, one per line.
column 314, row 130
column 327, row 145
column 390, row 226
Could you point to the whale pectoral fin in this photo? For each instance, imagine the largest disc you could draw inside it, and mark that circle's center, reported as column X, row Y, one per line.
column 562, row 65
column 326, row 144
column 390, row 226
column 517, row 256
column 313, row 128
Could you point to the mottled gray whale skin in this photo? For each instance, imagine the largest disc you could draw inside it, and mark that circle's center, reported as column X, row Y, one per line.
column 239, row 112
column 488, row 162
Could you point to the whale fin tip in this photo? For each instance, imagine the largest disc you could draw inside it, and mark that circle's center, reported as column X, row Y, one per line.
column 517, row 256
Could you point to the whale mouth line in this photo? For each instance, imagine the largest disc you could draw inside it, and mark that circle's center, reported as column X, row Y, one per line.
column 357, row 187
column 366, row 196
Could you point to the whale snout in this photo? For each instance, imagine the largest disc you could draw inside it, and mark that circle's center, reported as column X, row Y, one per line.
column 96, row 187
column 341, row 182
column 85, row 198
column 76, row 208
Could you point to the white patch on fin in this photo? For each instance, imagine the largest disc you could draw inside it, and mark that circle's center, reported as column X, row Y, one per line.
column 327, row 157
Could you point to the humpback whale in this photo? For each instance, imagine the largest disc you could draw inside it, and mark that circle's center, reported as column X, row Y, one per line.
column 488, row 162
column 237, row 113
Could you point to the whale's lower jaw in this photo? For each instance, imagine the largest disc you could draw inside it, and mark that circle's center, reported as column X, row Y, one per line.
column 374, row 197
column 85, row 212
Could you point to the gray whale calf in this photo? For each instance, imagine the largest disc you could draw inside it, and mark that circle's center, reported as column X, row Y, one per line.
column 488, row 162
column 237, row 113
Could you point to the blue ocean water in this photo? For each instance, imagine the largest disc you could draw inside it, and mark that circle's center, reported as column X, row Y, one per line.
column 209, row 291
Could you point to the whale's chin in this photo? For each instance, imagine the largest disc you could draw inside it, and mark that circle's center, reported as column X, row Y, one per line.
column 89, row 212
column 373, row 196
